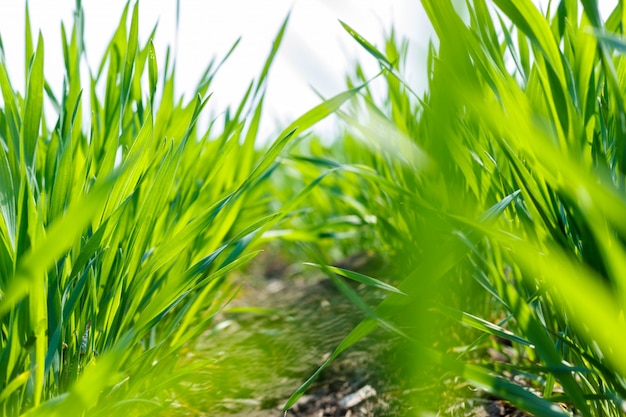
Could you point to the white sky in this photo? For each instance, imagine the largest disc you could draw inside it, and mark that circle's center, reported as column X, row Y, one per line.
column 316, row 51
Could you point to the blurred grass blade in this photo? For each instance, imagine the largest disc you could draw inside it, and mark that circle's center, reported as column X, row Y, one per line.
column 358, row 277
column 484, row 325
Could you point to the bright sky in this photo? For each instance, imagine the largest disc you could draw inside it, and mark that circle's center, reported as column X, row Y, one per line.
column 316, row 51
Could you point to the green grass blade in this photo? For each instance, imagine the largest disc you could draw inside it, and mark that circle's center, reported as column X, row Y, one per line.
column 60, row 236
column 33, row 105
column 28, row 41
column 153, row 72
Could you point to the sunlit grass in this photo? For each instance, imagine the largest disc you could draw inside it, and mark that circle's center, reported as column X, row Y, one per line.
column 495, row 199
column 116, row 240
column 500, row 192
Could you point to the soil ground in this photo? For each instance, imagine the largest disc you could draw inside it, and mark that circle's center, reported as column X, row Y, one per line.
column 276, row 333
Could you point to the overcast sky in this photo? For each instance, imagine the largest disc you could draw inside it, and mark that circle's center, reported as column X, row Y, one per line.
column 316, row 51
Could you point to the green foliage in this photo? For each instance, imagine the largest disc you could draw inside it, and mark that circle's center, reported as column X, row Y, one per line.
column 500, row 195
column 497, row 197
column 115, row 241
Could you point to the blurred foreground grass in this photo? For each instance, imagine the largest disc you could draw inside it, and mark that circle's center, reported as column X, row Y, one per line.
column 499, row 194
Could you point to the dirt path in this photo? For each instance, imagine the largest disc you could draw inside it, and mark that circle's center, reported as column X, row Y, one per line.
column 261, row 356
column 279, row 329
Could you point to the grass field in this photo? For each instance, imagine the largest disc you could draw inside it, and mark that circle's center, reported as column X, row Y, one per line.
column 494, row 204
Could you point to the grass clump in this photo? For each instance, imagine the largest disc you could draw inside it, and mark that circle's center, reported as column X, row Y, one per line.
column 115, row 241
column 500, row 191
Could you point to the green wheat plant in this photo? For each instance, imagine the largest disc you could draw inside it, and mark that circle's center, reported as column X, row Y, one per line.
column 120, row 219
column 499, row 193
